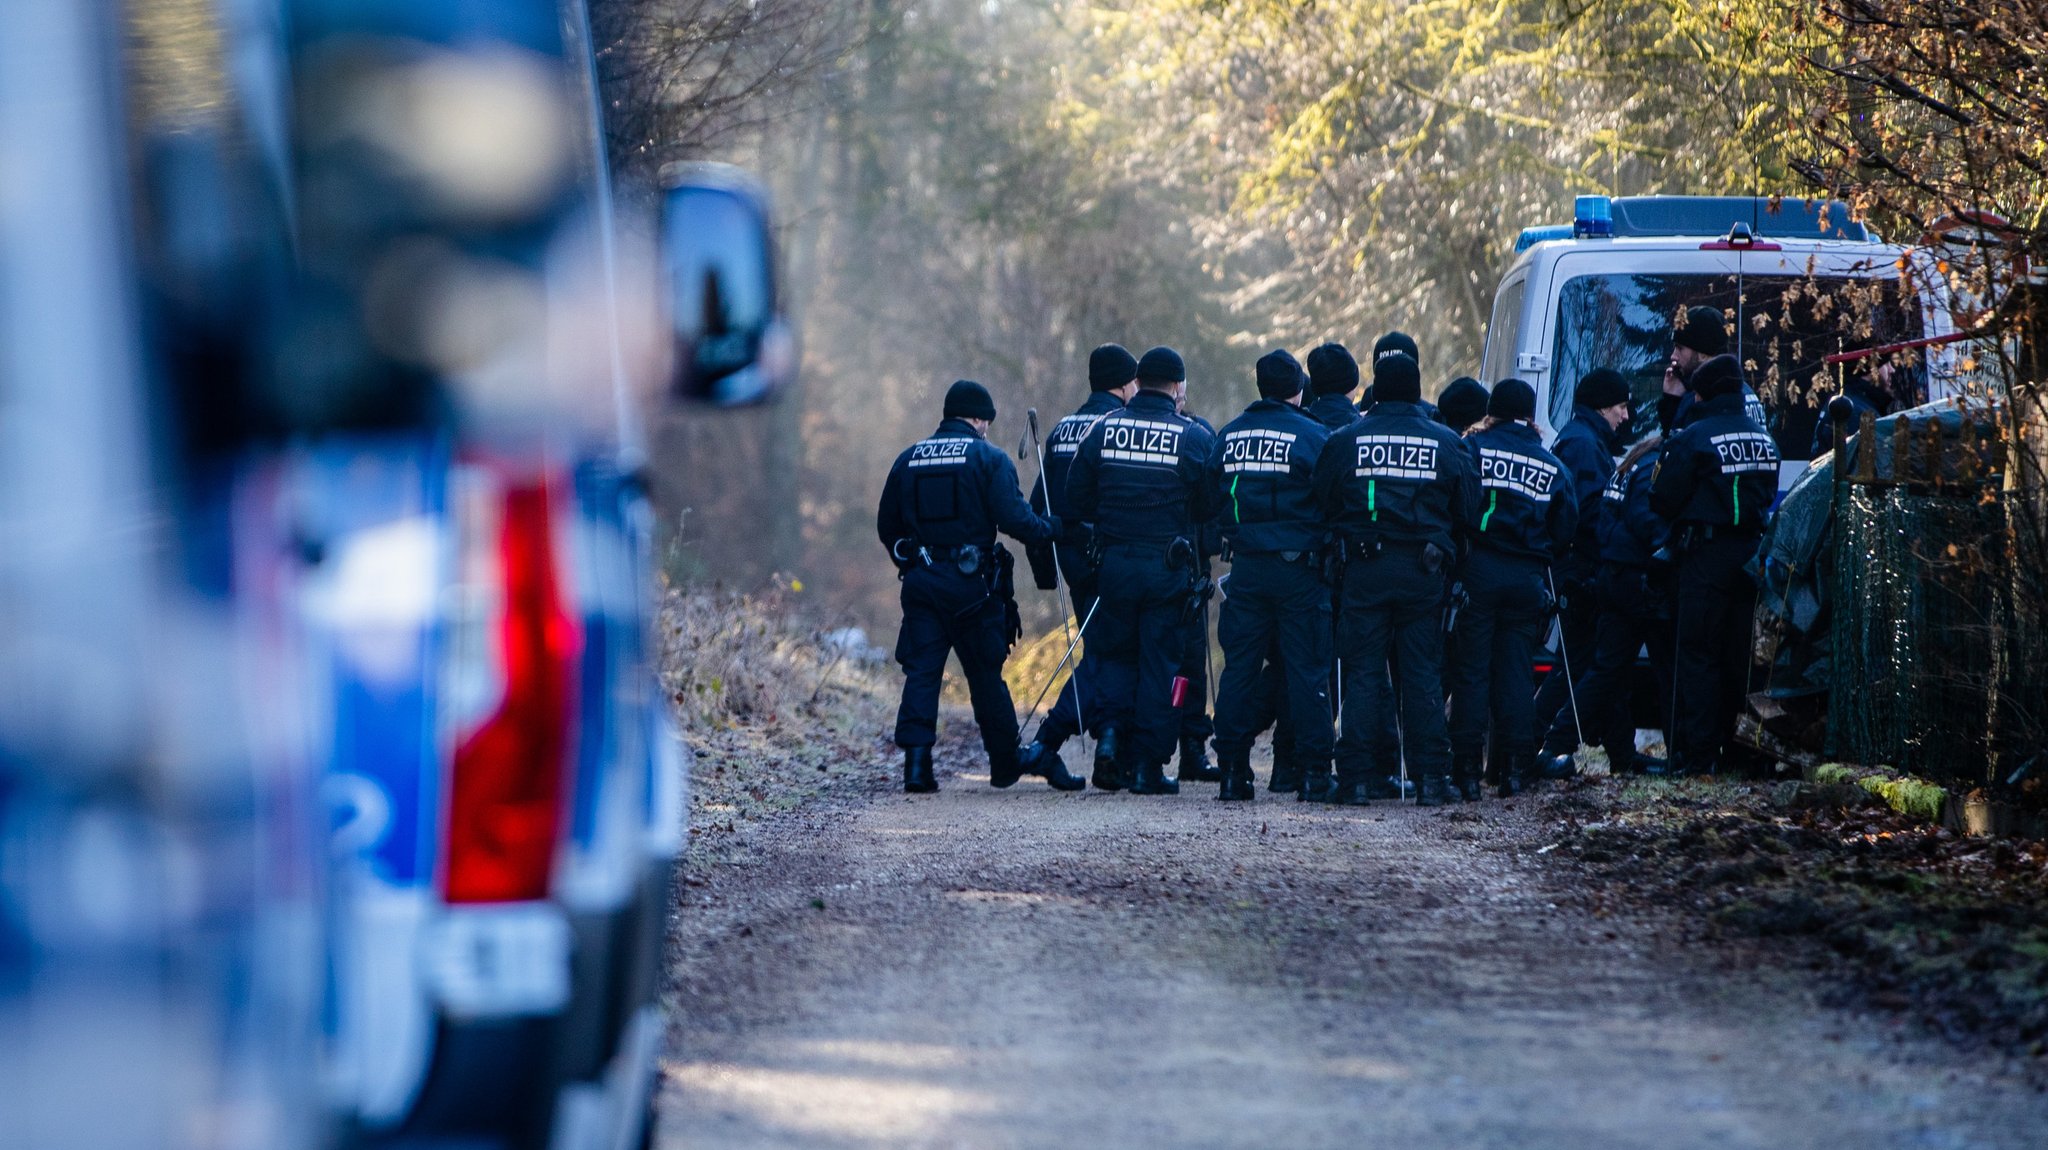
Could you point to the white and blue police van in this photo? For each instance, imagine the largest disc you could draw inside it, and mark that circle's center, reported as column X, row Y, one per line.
column 1798, row 280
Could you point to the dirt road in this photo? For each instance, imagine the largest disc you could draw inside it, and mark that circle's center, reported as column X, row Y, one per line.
column 988, row 968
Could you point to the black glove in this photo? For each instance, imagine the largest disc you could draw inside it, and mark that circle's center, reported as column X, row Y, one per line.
column 1044, row 566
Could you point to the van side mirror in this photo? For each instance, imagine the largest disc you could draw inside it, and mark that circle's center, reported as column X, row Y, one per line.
column 732, row 344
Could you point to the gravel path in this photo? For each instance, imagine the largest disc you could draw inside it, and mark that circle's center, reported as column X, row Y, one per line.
column 988, row 968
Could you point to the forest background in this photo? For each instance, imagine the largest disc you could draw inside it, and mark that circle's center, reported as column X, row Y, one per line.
column 989, row 188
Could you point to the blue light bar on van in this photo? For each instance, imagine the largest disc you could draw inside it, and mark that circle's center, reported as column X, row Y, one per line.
column 1593, row 216
column 1530, row 237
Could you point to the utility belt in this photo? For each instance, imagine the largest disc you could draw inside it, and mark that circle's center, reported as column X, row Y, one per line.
column 967, row 558
column 992, row 563
column 1307, row 556
column 1688, row 536
column 1366, row 548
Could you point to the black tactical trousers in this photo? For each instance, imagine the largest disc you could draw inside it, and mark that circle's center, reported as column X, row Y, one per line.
column 945, row 611
column 1498, row 630
column 1282, row 609
column 1392, row 604
column 1634, row 613
column 1579, row 626
column 1142, row 640
column 1077, row 703
column 1195, row 723
column 1716, row 601
column 1386, row 748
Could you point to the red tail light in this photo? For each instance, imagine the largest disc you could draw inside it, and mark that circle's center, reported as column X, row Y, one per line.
column 505, row 790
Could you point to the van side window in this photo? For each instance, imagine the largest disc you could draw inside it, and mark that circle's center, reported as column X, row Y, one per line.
column 1503, row 332
column 1789, row 323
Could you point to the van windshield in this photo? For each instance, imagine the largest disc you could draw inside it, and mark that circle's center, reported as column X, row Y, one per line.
column 1789, row 323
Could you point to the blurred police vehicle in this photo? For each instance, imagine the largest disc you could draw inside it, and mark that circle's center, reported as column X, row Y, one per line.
column 323, row 356
column 1799, row 280
column 160, row 843
column 480, row 323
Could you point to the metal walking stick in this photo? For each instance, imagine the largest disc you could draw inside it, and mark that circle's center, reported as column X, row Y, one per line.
column 1571, row 687
column 1055, row 676
column 1059, row 581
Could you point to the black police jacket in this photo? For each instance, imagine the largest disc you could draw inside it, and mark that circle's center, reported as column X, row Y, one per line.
column 1061, row 445
column 1587, row 447
column 1210, row 529
column 1262, row 472
column 1720, row 470
column 1400, row 476
column 1332, row 410
column 1140, row 475
column 956, row 488
column 1630, row 532
column 1528, row 507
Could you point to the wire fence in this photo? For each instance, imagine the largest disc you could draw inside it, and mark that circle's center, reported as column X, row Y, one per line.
column 1940, row 663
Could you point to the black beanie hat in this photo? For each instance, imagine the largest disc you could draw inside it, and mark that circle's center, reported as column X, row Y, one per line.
column 1332, row 371
column 1280, row 375
column 1396, row 379
column 1396, row 342
column 1512, row 399
column 1111, row 367
column 1461, row 403
column 967, row 399
column 1717, row 377
column 1600, row 389
column 1161, row 365
column 1703, row 331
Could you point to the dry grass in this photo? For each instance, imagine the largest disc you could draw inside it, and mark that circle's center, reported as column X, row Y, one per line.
column 730, row 660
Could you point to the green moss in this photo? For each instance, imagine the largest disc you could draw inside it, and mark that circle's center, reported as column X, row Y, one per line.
column 1907, row 796
column 1829, row 774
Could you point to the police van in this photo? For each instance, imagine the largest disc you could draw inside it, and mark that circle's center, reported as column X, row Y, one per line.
column 1799, row 280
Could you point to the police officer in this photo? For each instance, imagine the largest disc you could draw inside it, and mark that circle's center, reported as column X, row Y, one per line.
column 1278, row 602
column 1112, row 379
column 1196, row 725
column 944, row 501
column 1714, row 484
column 1588, row 447
column 1527, row 516
column 1400, row 489
column 1140, row 477
column 1700, row 335
column 1394, row 343
column 1461, row 404
column 1330, row 368
column 1332, row 381
column 1632, row 589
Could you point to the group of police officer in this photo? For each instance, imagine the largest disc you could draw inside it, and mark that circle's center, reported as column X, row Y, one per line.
column 1385, row 555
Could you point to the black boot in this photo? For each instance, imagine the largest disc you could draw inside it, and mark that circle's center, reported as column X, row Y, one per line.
column 1286, row 778
column 1316, row 784
column 1435, row 791
column 918, row 778
column 1195, row 766
column 1150, row 779
column 1010, row 768
column 1238, row 784
column 1558, row 766
column 1350, row 792
column 1465, row 772
column 1038, row 759
column 1108, row 774
column 1516, row 776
